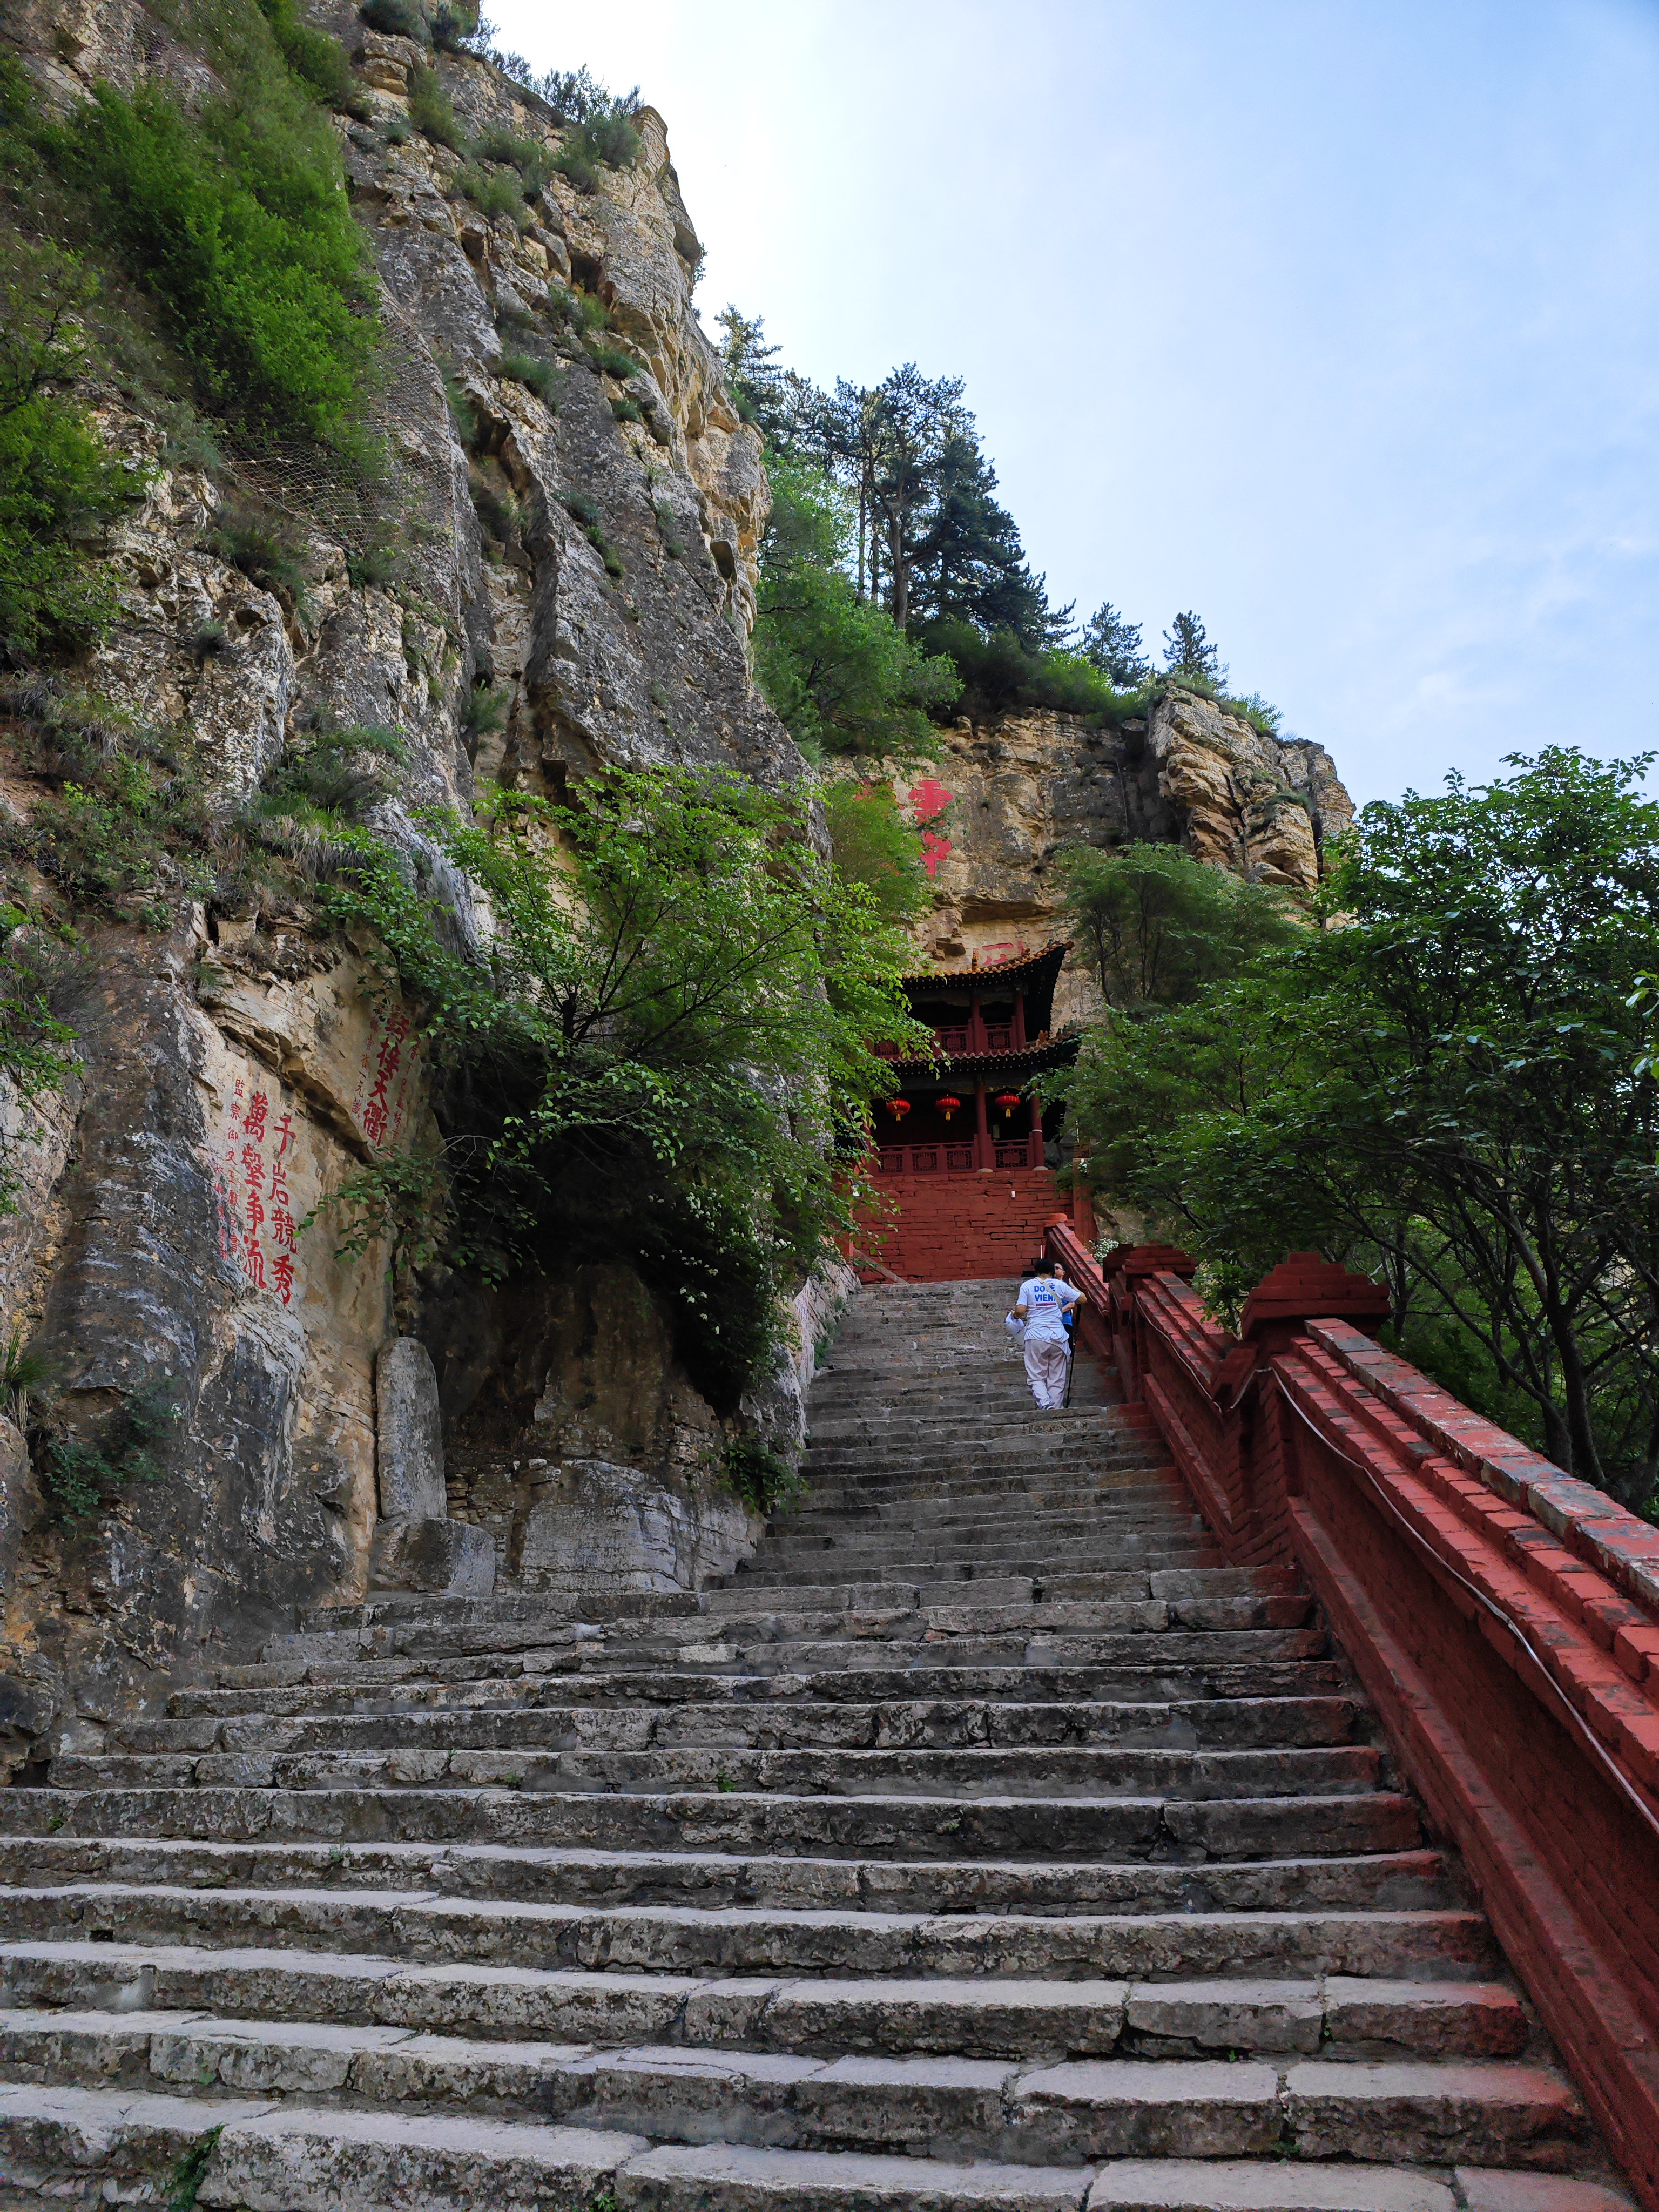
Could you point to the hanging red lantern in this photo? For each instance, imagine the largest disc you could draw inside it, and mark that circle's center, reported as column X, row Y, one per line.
column 947, row 1105
column 899, row 1108
column 1008, row 1100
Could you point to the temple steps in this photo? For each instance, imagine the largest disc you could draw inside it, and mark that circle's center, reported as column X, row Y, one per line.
column 984, row 1841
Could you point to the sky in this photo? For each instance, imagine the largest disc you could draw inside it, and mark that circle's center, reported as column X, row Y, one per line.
column 1336, row 323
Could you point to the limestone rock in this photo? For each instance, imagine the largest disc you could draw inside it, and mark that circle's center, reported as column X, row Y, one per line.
column 407, row 1433
column 597, row 1529
column 22, row 1506
column 1003, row 800
column 432, row 1555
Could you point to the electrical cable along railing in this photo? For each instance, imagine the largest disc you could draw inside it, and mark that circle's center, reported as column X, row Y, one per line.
column 1502, row 1616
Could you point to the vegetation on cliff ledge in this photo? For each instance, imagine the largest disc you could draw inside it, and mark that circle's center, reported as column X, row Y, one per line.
column 652, row 1055
column 895, row 584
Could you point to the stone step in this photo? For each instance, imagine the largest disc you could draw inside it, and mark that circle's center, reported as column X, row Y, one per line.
column 934, row 1641
column 987, row 1605
column 821, row 2020
column 830, row 1565
column 934, row 1722
column 838, row 1827
column 576, row 1974
column 822, row 1613
column 1059, row 1771
column 1098, row 1552
column 989, row 1523
column 267, row 2157
column 860, row 1472
column 1408, row 1880
column 409, row 1685
column 1069, row 2112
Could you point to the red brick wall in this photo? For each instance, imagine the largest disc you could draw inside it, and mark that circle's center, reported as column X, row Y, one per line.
column 951, row 1228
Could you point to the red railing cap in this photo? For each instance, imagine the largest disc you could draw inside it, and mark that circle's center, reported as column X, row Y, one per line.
column 1137, row 1260
column 1304, row 1287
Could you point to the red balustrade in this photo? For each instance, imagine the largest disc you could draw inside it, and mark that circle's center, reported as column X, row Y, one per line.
column 1502, row 1616
column 958, row 1158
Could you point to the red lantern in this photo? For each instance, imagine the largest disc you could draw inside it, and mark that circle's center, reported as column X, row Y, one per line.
column 1008, row 1100
column 899, row 1108
column 947, row 1105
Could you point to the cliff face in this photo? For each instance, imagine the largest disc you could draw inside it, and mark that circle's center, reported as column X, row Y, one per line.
column 235, row 1071
column 1002, row 801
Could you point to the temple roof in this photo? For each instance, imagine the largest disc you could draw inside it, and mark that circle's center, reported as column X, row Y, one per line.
column 1029, row 969
column 993, row 1066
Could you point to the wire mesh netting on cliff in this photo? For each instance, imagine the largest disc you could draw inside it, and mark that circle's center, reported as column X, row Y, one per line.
column 328, row 493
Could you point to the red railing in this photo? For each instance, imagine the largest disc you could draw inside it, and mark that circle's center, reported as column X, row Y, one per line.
column 1502, row 1616
column 958, row 1156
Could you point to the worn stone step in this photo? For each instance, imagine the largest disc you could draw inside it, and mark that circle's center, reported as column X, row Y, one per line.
column 799, row 1980
column 285, row 2157
column 1410, row 1880
column 407, row 1686
column 1096, row 1552
column 485, row 1938
column 1121, row 1583
column 1059, row 1773
column 1076, row 2113
column 1376, row 1820
column 923, row 1559
column 989, row 1524
column 933, row 1723
column 759, row 1644
column 791, row 2082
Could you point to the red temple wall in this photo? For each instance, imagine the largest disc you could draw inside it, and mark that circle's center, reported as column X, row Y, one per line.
column 953, row 1228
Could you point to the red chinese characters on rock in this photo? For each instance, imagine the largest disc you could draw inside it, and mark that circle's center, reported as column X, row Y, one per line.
column 381, row 1104
column 928, row 799
column 251, row 1165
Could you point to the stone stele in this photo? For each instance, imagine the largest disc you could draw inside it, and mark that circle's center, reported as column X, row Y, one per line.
column 409, row 1433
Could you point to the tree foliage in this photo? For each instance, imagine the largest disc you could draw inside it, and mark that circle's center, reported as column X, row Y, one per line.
column 1443, row 1083
column 1111, row 643
column 58, row 484
column 1188, row 652
column 839, row 672
column 651, row 1054
column 873, row 845
column 1161, row 927
column 236, row 220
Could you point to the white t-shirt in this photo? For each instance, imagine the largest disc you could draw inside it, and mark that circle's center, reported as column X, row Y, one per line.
column 1045, row 1302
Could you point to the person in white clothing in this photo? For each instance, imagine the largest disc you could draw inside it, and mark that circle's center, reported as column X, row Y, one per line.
column 1042, row 1307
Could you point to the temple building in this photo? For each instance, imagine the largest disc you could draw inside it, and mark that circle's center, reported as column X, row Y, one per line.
column 964, row 1158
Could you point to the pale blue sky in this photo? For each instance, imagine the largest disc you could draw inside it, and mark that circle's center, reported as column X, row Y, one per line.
column 1336, row 321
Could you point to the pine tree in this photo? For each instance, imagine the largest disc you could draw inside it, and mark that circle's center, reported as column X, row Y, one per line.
column 1187, row 652
column 1112, row 642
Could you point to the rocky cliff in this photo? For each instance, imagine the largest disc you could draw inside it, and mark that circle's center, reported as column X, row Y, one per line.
column 1003, row 801
column 555, row 571
column 586, row 566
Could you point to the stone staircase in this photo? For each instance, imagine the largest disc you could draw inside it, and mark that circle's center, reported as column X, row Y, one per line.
column 986, row 1842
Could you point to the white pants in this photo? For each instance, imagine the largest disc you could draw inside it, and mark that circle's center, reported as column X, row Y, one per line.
column 1045, row 1369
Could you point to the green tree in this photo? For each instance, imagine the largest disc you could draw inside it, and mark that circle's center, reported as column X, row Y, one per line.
column 1111, row 643
column 872, row 844
column 237, row 220
column 674, row 1012
column 1444, row 1085
column 1187, row 652
column 1161, row 927
column 58, row 484
column 839, row 672
column 968, row 564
